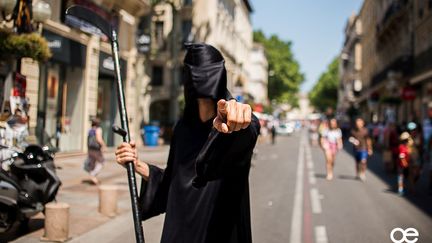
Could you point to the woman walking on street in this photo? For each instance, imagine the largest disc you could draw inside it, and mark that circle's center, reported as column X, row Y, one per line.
column 333, row 144
column 404, row 159
column 96, row 146
column 363, row 147
column 322, row 131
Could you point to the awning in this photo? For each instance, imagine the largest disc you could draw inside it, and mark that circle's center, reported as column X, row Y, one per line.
column 65, row 50
column 421, row 77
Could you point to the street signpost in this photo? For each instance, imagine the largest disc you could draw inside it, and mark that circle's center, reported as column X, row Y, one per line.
column 105, row 27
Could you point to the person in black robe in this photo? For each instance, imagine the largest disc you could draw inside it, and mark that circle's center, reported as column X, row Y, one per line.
column 204, row 189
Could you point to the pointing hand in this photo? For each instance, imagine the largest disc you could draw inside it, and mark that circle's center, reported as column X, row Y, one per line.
column 232, row 116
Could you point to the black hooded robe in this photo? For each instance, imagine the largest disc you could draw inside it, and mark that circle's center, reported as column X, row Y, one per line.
column 204, row 189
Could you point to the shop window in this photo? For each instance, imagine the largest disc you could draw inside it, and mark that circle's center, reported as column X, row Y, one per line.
column 157, row 76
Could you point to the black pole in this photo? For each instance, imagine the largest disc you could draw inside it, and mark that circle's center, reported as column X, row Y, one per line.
column 139, row 234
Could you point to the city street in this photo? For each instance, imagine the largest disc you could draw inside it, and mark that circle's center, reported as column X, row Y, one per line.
column 293, row 202
column 211, row 78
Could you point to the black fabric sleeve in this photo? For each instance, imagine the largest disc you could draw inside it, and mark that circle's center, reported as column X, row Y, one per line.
column 225, row 154
column 154, row 192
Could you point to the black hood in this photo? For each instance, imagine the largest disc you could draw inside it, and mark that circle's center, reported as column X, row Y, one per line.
column 204, row 76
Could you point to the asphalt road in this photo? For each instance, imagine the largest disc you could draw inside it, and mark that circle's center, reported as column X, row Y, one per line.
column 291, row 201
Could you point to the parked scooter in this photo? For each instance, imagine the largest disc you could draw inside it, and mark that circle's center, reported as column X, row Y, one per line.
column 28, row 181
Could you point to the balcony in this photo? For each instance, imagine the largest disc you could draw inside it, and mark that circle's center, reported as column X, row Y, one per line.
column 423, row 62
column 403, row 65
column 393, row 17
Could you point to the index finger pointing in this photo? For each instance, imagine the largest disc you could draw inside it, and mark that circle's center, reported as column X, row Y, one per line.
column 222, row 106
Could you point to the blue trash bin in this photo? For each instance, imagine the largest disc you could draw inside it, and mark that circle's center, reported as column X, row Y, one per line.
column 151, row 135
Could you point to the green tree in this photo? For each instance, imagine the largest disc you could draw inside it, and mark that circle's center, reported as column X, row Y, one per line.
column 325, row 92
column 285, row 76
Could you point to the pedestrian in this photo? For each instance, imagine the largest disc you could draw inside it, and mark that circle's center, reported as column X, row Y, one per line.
column 363, row 147
column 391, row 139
column 427, row 138
column 416, row 156
column 334, row 143
column 404, row 153
column 19, row 125
column 273, row 133
column 322, row 131
column 96, row 146
column 313, row 132
column 204, row 190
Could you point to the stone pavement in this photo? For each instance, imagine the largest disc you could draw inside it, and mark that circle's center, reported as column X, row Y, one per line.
column 83, row 197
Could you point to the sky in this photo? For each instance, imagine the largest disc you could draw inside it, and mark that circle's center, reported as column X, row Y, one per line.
column 315, row 27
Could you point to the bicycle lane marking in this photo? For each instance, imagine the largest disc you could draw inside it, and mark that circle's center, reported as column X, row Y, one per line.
column 296, row 220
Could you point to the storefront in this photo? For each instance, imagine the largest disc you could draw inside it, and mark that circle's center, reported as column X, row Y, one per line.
column 107, row 98
column 60, row 98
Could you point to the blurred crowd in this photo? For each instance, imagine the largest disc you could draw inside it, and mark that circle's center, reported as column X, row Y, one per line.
column 404, row 147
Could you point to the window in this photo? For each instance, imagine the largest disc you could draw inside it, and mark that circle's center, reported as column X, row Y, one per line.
column 421, row 7
column 229, row 6
column 187, row 2
column 157, row 76
column 186, row 31
column 159, row 33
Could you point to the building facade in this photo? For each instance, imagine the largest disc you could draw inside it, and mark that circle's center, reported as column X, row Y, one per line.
column 351, row 83
column 257, row 85
column 78, row 82
column 395, row 68
column 224, row 24
column 421, row 78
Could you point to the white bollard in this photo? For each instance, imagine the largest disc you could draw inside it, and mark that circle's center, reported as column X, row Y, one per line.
column 108, row 200
column 56, row 222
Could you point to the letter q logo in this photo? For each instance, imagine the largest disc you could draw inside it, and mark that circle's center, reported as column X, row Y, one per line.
column 409, row 235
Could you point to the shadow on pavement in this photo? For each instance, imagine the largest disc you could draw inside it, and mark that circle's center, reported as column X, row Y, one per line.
column 348, row 177
column 320, row 176
column 420, row 198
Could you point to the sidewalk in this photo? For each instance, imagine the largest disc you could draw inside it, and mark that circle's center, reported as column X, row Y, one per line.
column 83, row 197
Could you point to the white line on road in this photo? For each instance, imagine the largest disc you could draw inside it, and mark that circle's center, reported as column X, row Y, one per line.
column 296, row 220
column 310, row 164
column 315, row 201
column 321, row 234
column 312, row 178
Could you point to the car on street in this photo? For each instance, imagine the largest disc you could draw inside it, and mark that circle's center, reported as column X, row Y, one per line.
column 285, row 128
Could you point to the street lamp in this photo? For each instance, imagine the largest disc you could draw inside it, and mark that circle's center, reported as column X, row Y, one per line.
column 41, row 11
column 7, row 6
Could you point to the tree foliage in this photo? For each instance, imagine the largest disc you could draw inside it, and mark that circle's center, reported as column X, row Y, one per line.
column 285, row 76
column 325, row 92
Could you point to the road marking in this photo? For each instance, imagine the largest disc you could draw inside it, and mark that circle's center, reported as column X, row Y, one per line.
column 312, row 178
column 315, row 201
column 296, row 220
column 310, row 164
column 321, row 234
